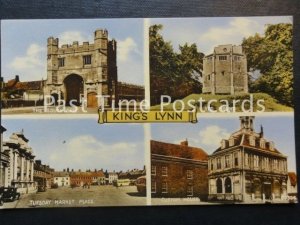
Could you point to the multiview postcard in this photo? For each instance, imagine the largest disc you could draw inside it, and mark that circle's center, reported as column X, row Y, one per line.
column 141, row 112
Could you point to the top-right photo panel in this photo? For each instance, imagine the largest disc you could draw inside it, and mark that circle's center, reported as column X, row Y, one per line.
column 223, row 64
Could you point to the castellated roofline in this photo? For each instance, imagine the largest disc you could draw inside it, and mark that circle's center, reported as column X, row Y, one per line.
column 227, row 49
column 98, row 34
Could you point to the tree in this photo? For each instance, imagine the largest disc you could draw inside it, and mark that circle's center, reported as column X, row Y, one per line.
column 171, row 73
column 272, row 56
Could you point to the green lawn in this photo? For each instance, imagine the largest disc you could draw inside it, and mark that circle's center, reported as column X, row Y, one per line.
column 269, row 103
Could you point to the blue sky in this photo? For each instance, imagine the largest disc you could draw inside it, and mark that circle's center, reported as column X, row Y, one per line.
column 208, row 132
column 24, row 43
column 212, row 31
column 81, row 143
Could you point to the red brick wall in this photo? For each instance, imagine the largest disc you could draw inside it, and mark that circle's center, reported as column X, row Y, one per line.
column 177, row 180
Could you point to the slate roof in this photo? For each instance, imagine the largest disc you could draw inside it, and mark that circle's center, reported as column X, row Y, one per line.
column 175, row 150
column 15, row 84
column 60, row 174
column 242, row 139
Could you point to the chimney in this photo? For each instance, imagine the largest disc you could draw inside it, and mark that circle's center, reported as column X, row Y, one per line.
column 68, row 170
column 17, row 78
column 184, row 143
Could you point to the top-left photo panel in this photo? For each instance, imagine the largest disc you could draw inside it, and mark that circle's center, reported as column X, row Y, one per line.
column 71, row 66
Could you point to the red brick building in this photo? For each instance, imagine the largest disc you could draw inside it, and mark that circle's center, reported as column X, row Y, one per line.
column 81, row 178
column 130, row 91
column 87, row 178
column 178, row 170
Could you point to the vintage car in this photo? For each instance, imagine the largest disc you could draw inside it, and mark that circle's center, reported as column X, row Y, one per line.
column 1, row 195
column 141, row 185
column 9, row 194
column 42, row 188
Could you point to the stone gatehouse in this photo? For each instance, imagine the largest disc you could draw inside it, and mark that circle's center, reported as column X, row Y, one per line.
column 81, row 72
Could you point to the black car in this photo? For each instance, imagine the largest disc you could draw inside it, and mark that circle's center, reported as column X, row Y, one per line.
column 1, row 195
column 9, row 194
column 42, row 188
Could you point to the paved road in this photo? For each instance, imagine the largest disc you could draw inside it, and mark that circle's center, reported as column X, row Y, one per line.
column 79, row 197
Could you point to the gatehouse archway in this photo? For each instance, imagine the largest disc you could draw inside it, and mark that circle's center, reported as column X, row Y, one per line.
column 74, row 88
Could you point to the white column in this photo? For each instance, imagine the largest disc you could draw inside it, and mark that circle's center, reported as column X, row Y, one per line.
column 31, row 175
column 232, row 184
column 27, row 169
column 231, row 73
column 22, row 168
column 6, row 177
column 223, row 185
column 15, row 166
column 11, row 167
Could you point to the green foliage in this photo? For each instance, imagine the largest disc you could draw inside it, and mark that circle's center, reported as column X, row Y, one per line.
column 272, row 55
column 171, row 73
column 271, row 104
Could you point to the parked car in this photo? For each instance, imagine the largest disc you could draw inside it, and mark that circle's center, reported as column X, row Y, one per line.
column 141, row 185
column 42, row 188
column 1, row 196
column 10, row 194
column 54, row 186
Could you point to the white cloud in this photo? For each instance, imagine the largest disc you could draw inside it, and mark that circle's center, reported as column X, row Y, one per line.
column 32, row 65
column 68, row 37
column 211, row 136
column 126, row 48
column 86, row 152
column 130, row 61
column 231, row 34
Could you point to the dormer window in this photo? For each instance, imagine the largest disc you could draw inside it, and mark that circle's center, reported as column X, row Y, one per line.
column 231, row 142
column 262, row 143
column 223, row 144
column 252, row 140
column 272, row 146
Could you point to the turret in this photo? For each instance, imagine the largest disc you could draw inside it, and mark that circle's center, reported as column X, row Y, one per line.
column 52, row 45
column 100, row 35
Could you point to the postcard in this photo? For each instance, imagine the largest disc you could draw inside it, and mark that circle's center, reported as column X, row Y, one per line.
column 147, row 111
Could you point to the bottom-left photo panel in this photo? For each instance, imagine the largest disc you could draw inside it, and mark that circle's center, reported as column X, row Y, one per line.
column 71, row 162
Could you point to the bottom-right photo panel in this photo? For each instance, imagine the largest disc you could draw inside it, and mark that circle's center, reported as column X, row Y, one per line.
column 234, row 159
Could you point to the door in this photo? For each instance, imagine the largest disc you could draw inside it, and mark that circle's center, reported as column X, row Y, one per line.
column 74, row 88
column 92, row 100
column 267, row 190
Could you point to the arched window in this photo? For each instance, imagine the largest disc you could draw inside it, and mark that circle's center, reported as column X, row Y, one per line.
column 228, row 188
column 219, row 186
